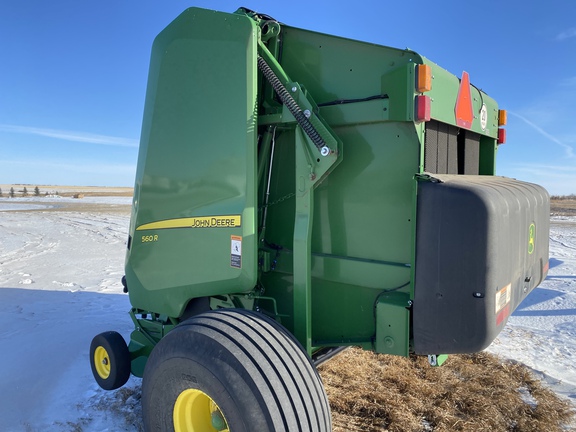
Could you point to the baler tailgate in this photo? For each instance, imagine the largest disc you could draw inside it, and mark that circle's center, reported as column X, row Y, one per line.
column 481, row 247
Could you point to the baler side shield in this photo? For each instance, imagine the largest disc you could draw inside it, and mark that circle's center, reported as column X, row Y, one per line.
column 196, row 182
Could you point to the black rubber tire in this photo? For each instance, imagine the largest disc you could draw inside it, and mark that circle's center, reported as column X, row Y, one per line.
column 118, row 357
column 249, row 365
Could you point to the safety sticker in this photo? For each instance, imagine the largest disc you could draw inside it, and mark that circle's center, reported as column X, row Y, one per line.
column 236, row 251
column 503, row 297
column 483, row 117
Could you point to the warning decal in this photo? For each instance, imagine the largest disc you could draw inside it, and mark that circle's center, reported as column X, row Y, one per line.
column 236, row 251
column 503, row 297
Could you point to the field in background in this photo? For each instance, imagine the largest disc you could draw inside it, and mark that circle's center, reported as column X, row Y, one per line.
column 563, row 206
column 559, row 206
column 66, row 191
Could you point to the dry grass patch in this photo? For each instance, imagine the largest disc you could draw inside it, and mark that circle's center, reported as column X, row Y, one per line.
column 478, row 392
column 563, row 206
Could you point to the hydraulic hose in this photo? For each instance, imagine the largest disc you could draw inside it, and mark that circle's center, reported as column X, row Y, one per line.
column 291, row 104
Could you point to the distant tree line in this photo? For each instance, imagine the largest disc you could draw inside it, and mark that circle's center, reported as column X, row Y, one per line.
column 23, row 192
column 563, row 197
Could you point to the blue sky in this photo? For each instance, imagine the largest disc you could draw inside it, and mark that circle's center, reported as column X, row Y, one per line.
column 73, row 76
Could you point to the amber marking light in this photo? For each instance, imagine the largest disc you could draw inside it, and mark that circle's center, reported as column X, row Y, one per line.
column 502, row 117
column 423, row 78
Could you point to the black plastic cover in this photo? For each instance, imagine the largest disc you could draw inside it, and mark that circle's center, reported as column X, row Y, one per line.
column 481, row 247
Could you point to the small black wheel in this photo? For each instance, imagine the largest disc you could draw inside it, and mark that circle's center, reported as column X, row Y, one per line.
column 110, row 360
column 232, row 370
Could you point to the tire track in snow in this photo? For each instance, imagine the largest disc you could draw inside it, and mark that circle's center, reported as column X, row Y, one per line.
column 32, row 246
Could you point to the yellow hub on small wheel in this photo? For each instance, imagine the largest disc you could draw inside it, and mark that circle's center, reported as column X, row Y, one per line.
column 102, row 362
column 195, row 411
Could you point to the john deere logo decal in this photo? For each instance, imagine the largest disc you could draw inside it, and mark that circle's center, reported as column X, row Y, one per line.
column 531, row 237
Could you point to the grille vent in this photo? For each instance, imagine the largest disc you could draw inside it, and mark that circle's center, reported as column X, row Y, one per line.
column 451, row 150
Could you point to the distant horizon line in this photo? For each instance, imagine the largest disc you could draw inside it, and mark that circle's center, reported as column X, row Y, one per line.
column 79, row 187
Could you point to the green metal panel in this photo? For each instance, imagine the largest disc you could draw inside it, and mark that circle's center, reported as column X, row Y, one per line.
column 362, row 227
column 398, row 84
column 444, row 94
column 488, row 151
column 393, row 318
column 197, row 159
column 334, row 68
column 362, row 230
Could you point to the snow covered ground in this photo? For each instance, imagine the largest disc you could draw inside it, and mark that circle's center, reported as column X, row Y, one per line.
column 60, row 285
column 542, row 331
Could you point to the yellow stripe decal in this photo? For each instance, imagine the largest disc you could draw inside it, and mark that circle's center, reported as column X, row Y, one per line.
column 233, row 221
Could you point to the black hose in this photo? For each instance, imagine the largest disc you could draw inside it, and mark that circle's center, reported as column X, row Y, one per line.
column 348, row 101
column 290, row 103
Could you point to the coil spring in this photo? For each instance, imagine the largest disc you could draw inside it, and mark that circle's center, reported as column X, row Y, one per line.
column 290, row 103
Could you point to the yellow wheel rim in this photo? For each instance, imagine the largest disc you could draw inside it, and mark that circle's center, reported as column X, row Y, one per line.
column 102, row 362
column 195, row 411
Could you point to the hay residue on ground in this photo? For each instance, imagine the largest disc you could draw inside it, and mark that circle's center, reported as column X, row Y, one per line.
column 371, row 392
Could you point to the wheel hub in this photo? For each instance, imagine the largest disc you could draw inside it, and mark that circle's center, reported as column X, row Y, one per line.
column 102, row 362
column 195, row 411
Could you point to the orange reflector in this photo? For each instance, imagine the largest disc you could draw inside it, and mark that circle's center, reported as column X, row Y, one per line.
column 501, row 136
column 463, row 109
column 502, row 117
column 422, row 108
column 423, row 78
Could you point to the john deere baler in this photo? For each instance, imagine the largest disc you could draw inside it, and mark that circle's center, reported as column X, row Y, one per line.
column 297, row 193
